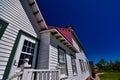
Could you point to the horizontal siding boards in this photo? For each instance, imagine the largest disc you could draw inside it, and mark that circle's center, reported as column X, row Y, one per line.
column 5, row 46
column 69, row 65
column 30, row 15
column 1, row 72
column 1, row 77
column 15, row 15
column 82, row 75
column 3, row 59
column 80, row 56
column 7, row 39
column 4, row 54
column 75, row 45
column 5, row 43
column 19, row 25
column 43, row 58
column 54, row 56
column 12, row 12
column 3, row 63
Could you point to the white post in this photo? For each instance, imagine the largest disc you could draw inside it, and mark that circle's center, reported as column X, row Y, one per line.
column 59, row 74
column 25, row 74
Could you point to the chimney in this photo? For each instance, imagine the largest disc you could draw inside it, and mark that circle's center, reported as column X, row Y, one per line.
column 69, row 26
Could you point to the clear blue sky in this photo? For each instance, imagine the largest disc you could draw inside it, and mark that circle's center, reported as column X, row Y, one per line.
column 96, row 22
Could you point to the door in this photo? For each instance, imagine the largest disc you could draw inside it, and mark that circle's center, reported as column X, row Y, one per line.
column 27, row 48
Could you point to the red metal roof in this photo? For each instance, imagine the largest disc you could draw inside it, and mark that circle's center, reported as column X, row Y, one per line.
column 65, row 32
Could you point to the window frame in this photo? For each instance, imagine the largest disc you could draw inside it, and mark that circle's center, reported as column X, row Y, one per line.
column 28, row 54
column 3, row 28
column 81, row 65
column 73, row 63
column 9, row 64
column 60, row 62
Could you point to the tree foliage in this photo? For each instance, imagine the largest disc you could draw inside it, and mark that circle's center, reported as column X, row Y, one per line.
column 104, row 66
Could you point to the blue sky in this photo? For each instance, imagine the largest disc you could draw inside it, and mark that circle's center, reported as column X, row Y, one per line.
column 96, row 22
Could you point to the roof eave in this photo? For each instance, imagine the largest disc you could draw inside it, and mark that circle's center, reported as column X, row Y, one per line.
column 78, row 40
column 57, row 34
column 37, row 13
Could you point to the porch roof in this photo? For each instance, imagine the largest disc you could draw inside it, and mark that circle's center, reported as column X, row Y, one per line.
column 67, row 33
column 63, row 35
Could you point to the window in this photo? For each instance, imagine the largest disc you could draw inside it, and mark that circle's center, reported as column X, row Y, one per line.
column 84, row 66
column 81, row 65
column 62, row 61
column 27, row 52
column 3, row 26
column 73, row 64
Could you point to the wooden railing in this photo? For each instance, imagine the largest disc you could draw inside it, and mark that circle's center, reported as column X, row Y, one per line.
column 36, row 74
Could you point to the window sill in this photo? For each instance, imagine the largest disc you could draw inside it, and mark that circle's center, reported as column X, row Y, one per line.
column 62, row 76
column 74, row 74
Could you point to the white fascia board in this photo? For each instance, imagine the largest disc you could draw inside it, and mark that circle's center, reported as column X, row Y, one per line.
column 54, row 30
column 42, row 24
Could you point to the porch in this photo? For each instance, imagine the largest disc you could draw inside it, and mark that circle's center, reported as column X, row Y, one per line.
column 36, row 74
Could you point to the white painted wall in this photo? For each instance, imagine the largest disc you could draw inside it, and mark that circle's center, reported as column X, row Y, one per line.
column 53, row 60
column 13, row 13
column 81, row 56
column 54, row 43
column 43, row 60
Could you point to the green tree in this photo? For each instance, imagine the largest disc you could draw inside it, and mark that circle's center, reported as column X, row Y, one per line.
column 102, row 65
column 105, row 66
column 116, row 66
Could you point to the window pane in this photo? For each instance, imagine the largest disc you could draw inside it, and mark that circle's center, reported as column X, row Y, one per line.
column 73, row 65
column 81, row 67
column 33, row 45
column 25, row 42
column 28, row 47
column 62, row 61
column 22, row 58
column 24, row 49
column 28, row 50
column 30, row 44
column 32, row 51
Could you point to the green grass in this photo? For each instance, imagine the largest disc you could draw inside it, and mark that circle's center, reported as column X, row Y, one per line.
column 110, row 76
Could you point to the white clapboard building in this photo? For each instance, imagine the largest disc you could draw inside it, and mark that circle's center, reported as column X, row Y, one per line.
column 31, row 50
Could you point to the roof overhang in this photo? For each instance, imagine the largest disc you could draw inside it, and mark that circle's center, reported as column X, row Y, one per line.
column 61, row 38
column 79, row 43
column 36, row 11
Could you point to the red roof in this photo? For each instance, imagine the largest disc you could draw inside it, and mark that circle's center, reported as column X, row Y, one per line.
column 65, row 32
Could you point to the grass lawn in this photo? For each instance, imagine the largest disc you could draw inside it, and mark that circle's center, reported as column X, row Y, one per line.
column 110, row 76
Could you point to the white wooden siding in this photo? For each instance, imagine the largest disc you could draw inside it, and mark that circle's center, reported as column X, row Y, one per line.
column 54, row 55
column 13, row 13
column 75, row 44
column 80, row 56
column 43, row 60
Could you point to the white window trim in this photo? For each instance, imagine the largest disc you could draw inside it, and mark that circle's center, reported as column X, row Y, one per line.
column 73, row 64
column 64, row 62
